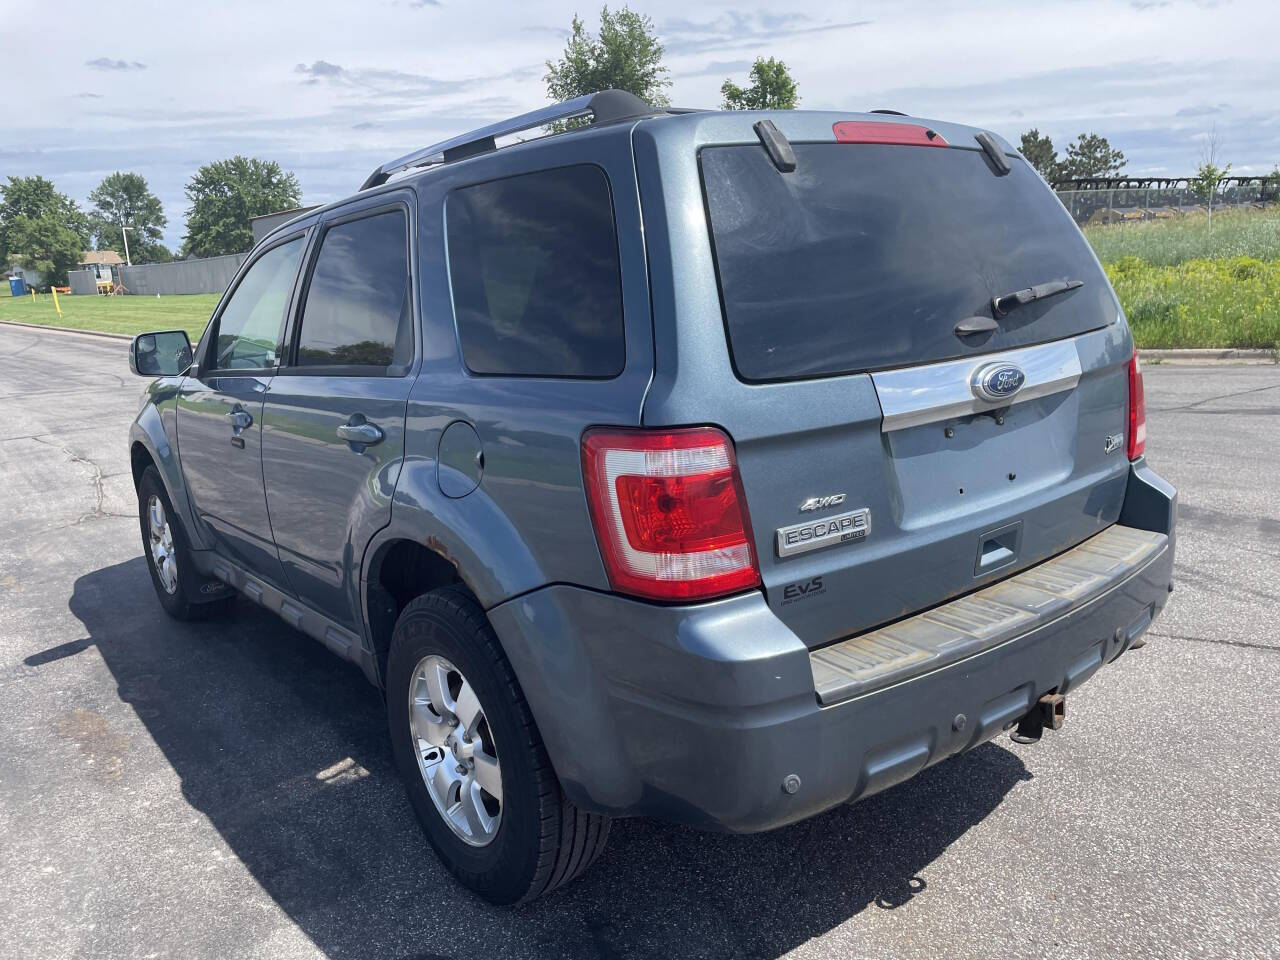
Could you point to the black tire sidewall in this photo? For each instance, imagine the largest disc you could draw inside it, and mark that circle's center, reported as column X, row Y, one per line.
column 503, row 870
column 176, row 603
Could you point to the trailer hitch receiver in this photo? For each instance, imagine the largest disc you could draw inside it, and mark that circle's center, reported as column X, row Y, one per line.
column 1049, row 712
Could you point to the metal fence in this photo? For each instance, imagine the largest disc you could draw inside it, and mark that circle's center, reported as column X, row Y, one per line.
column 1127, row 204
column 82, row 281
column 210, row 275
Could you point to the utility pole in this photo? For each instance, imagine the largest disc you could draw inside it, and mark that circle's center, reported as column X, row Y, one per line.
column 124, row 231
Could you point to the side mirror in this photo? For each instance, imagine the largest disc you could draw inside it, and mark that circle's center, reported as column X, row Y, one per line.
column 164, row 354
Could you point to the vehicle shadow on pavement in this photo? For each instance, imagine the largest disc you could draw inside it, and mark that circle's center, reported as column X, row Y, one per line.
column 283, row 748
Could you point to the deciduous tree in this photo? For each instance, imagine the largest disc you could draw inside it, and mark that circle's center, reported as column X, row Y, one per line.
column 626, row 54
column 225, row 194
column 41, row 228
column 771, row 88
column 124, row 200
column 1209, row 175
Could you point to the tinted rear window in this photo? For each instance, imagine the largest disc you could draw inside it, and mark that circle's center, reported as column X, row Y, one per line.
column 357, row 308
column 867, row 256
column 533, row 261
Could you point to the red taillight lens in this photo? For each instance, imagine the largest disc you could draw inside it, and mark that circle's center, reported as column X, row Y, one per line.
column 874, row 131
column 669, row 512
column 1137, row 409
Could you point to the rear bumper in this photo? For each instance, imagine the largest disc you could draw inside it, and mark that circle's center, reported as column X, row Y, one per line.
column 701, row 714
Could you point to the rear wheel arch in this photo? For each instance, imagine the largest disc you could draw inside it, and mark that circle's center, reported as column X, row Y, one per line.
column 398, row 572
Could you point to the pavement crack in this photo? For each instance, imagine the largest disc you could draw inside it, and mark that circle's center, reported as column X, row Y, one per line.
column 1225, row 396
column 1226, row 643
column 99, row 492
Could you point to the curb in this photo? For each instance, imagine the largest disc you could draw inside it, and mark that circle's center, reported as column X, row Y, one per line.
column 83, row 333
column 1210, row 355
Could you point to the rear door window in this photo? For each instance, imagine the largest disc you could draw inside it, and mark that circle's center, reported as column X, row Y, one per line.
column 357, row 311
column 868, row 255
column 533, row 263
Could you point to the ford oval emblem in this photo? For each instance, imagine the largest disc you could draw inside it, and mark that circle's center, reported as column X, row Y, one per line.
column 997, row 381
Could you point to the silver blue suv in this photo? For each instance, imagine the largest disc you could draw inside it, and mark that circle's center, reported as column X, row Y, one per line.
column 717, row 467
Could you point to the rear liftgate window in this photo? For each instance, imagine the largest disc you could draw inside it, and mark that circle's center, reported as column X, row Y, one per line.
column 868, row 255
column 533, row 260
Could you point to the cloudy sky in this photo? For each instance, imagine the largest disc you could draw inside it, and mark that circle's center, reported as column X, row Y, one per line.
column 331, row 89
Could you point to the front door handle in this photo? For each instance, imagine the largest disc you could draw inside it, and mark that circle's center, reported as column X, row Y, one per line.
column 363, row 432
column 240, row 420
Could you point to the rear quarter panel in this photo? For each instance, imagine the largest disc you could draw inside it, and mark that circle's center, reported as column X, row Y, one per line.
column 527, row 523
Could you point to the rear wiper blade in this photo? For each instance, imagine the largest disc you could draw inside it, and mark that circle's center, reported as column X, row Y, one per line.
column 1018, row 298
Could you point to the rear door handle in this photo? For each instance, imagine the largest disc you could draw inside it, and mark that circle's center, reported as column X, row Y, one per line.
column 363, row 432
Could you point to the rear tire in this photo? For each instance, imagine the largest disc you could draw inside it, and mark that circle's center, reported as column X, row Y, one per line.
column 166, row 549
column 530, row 837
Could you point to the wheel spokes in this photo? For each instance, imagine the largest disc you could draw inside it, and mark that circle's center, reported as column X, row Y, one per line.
column 436, row 678
column 488, row 774
column 477, row 817
column 467, row 709
column 427, row 727
column 443, row 779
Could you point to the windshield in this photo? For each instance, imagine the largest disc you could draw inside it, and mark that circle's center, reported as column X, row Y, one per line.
column 869, row 255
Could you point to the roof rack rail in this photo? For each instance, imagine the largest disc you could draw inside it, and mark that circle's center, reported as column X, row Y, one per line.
column 602, row 107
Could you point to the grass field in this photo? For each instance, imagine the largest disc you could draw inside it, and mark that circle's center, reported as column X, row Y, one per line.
column 1185, row 284
column 113, row 314
column 1166, row 243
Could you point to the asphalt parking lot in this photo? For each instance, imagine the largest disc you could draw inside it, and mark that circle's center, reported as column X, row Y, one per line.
column 226, row 789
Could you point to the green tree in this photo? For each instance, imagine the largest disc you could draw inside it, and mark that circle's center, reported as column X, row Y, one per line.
column 124, row 200
column 45, row 244
column 41, row 228
column 36, row 198
column 225, row 194
column 1091, row 155
column 625, row 55
column 1209, row 175
column 150, row 251
column 772, row 88
column 1040, row 153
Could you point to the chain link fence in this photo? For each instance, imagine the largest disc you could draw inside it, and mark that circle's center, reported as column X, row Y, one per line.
column 1098, row 205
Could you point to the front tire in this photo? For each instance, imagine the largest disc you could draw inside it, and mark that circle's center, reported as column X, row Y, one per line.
column 168, row 555
column 471, row 758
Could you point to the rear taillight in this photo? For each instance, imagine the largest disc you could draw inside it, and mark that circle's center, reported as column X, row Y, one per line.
column 669, row 512
column 1137, row 409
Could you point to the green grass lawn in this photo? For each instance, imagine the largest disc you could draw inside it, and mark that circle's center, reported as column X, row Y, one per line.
column 1184, row 283
column 128, row 315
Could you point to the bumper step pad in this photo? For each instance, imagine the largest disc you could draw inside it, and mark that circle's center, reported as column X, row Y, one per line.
column 984, row 619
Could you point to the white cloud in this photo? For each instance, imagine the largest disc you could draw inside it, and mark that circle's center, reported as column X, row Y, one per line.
column 329, row 90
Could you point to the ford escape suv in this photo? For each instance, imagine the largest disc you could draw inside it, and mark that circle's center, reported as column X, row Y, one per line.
column 721, row 467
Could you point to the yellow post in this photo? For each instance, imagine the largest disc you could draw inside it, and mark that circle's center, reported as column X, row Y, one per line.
column 33, row 295
column 55, row 302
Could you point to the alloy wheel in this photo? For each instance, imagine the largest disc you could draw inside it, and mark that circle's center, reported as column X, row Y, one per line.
column 456, row 753
column 164, row 554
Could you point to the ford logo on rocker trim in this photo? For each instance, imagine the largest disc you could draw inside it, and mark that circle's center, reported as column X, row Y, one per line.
column 997, row 381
